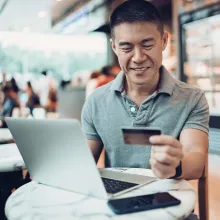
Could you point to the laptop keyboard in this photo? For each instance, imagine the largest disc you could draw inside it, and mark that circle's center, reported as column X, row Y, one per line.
column 115, row 186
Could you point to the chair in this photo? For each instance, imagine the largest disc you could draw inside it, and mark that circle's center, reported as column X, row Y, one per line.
column 52, row 115
column 71, row 101
column 23, row 112
column 203, row 194
column 39, row 113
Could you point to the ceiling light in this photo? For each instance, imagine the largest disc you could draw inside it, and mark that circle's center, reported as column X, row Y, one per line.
column 59, row 0
column 42, row 14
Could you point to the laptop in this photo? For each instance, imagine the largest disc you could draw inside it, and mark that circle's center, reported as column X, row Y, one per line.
column 56, row 154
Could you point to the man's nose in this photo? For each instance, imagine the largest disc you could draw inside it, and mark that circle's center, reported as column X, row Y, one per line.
column 139, row 56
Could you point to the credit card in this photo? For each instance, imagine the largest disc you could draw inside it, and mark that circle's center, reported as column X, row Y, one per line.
column 139, row 135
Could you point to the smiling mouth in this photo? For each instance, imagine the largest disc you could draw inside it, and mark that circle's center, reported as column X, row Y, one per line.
column 141, row 69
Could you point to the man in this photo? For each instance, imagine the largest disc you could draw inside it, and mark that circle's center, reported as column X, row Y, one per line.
column 145, row 95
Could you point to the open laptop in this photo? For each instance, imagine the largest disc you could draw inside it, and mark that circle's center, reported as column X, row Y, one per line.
column 56, row 153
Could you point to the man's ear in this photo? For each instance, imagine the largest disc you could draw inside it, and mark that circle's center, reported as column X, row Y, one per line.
column 165, row 40
column 113, row 45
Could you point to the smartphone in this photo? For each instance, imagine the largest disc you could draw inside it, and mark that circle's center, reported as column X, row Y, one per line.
column 142, row 203
column 139, row 135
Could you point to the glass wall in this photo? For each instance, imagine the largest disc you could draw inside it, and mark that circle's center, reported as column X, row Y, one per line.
column 61, row 55
column 200, row 52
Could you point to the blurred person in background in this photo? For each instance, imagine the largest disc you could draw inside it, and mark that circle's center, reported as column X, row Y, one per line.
column 79, row 82
column 33, row 99
column 46, row 82
column 2, row 84
column 92, row 83
column 115, row 69
column 14, row 85
column 11, row 101
column 4, row 80
column 52, row 101
column 106, row 76
column 64, row 84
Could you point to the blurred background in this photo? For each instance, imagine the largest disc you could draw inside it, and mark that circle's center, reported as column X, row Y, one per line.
column 55, row 53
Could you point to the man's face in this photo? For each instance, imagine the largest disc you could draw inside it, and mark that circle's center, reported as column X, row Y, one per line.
column 139, row 47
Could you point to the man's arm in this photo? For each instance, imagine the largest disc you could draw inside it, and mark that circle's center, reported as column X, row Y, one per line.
column 96, row 148
column 88, row 117
column 167, row 152
column 195, row 148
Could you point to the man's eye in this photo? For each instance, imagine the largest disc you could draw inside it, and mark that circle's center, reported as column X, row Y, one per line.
column 126, row 49
column 148, row 46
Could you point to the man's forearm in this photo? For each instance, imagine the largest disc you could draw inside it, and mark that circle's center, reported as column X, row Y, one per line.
column 192, row 165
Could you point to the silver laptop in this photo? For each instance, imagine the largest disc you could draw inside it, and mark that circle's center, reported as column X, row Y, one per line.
column 56, row 153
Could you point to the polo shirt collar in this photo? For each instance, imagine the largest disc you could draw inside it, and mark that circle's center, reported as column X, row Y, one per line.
column 118, row 82
column 166, row 84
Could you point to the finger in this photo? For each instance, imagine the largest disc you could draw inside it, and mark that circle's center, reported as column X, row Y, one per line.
column 164, row 140
column 166, row 159
column 167, row 150
column 160, row 170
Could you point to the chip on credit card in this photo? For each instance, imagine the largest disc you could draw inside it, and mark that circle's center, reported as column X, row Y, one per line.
column 139, row 135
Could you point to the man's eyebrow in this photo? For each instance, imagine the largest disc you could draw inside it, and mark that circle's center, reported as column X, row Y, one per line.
column 151, row 39
column 124, row 44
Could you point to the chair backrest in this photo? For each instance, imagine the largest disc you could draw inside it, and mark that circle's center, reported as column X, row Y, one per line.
column 214, row 130
column 23, row 112
column 203, row 194
column 39, row 113
column 52, row 115
column 16, row 113
column 71, row 101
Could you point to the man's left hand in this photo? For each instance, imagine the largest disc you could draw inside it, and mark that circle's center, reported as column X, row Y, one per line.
column 166, row 154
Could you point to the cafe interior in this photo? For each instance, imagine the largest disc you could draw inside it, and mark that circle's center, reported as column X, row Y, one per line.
column 53, row 55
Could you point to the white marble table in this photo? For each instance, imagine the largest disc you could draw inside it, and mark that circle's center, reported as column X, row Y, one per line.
column 10, row 158
column 36, row 201
column 5, row 135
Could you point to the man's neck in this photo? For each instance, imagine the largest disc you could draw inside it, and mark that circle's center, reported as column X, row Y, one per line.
column 138, row 93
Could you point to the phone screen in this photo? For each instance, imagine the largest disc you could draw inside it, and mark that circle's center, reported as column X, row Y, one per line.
column 141, row 203
column 139, row 136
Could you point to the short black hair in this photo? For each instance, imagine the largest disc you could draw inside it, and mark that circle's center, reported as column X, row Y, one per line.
column 7, row 87
column 135, row 11
column 29, row 85
column 44, row 72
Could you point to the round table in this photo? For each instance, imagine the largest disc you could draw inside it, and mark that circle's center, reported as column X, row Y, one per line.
column 37, row 201
column 10, row 158
column 5, row 136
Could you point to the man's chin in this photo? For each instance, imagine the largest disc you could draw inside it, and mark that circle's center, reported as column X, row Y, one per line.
column 140, row 83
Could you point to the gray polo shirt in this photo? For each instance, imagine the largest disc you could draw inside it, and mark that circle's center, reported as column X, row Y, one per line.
column 174, row 107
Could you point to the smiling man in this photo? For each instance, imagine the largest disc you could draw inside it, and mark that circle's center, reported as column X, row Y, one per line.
column 144, row 94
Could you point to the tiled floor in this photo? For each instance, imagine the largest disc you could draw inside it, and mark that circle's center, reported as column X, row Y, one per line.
column 214, row 187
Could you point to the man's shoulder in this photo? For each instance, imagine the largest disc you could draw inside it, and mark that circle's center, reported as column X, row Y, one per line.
column 186, row 88
column 100, row 93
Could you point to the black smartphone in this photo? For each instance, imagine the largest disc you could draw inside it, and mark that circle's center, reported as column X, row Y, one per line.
column 142, row 203
column 139, row 135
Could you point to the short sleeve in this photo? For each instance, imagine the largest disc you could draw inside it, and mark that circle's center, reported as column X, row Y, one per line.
column 87, row 120
column 199, row 116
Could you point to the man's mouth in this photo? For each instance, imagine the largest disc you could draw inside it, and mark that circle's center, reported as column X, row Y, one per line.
column 140, row 69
